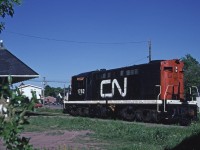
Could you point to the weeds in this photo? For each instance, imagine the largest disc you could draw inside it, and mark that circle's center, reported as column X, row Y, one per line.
column 118, row 134
column 15, row 106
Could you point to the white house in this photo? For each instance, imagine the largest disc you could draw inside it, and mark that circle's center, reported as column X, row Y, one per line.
column 28, row 88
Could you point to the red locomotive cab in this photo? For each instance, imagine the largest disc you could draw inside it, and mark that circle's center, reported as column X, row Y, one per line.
column 172, row 84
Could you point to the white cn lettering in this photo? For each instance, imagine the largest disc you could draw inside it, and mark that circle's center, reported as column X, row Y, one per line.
column 114, row 83
column 101, row 90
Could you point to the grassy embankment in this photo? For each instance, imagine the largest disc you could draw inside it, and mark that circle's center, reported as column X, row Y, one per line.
column 116, row 134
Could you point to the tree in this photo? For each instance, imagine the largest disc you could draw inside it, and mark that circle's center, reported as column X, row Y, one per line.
column 6, row 9
column 15, row 106
column 191, row 72
column 51, row 91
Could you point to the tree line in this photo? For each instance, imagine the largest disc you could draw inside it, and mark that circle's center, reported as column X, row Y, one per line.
column 191, row 73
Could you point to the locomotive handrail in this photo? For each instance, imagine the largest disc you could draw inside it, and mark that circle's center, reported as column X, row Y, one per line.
column 158, row 98
column 165, row 97
column 67, row 96
column 196, row 90
column 191, row 92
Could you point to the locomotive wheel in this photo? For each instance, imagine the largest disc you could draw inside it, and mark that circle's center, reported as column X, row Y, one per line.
column 92, row 112
column 128, row 113
column 73, row 111
column 97, row 111
column 80, row 111
column 146, row 115
column 185, row 121
column 103, row 112
column 65, row 110
column 155, row 117
column 85, row 112
column 138, row 115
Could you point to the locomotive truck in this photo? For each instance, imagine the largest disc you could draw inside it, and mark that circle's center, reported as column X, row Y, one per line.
column 151, row 92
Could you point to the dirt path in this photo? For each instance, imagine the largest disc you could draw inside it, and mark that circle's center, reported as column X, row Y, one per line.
column 61, row 140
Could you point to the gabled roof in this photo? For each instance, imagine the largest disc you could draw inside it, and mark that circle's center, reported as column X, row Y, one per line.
column 10, row 65
column 29, row 85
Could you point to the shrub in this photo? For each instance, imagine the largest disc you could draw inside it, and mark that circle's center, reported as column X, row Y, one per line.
column 13, row 117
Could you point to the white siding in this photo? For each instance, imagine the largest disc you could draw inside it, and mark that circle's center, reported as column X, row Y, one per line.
column 26, row 91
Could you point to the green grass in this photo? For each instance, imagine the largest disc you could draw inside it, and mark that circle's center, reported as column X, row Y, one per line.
column 48, row 110
column 117, row 134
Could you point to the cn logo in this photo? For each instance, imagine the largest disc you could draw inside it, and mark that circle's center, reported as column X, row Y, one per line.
column 114, row 84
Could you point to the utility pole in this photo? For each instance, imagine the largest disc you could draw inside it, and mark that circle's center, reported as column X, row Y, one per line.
column 149, row 42
column 64, row 91
column 43, row 91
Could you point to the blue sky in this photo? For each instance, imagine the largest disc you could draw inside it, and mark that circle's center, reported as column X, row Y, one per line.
column 59, row 39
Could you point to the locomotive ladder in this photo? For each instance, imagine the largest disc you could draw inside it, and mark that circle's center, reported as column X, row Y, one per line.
column 165, row 95
column 196, row 91
column 158, row 98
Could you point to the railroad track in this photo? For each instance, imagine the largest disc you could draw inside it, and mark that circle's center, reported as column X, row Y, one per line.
column 31, row 113
column 50, row 114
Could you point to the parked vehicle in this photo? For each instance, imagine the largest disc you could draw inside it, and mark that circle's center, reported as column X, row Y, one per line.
column 38, row 105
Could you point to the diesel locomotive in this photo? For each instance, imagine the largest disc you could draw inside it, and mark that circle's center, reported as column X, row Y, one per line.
column 151, row 92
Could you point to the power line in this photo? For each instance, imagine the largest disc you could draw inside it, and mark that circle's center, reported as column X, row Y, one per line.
column 143, row 58
column 55, row 81
column 73, row 41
